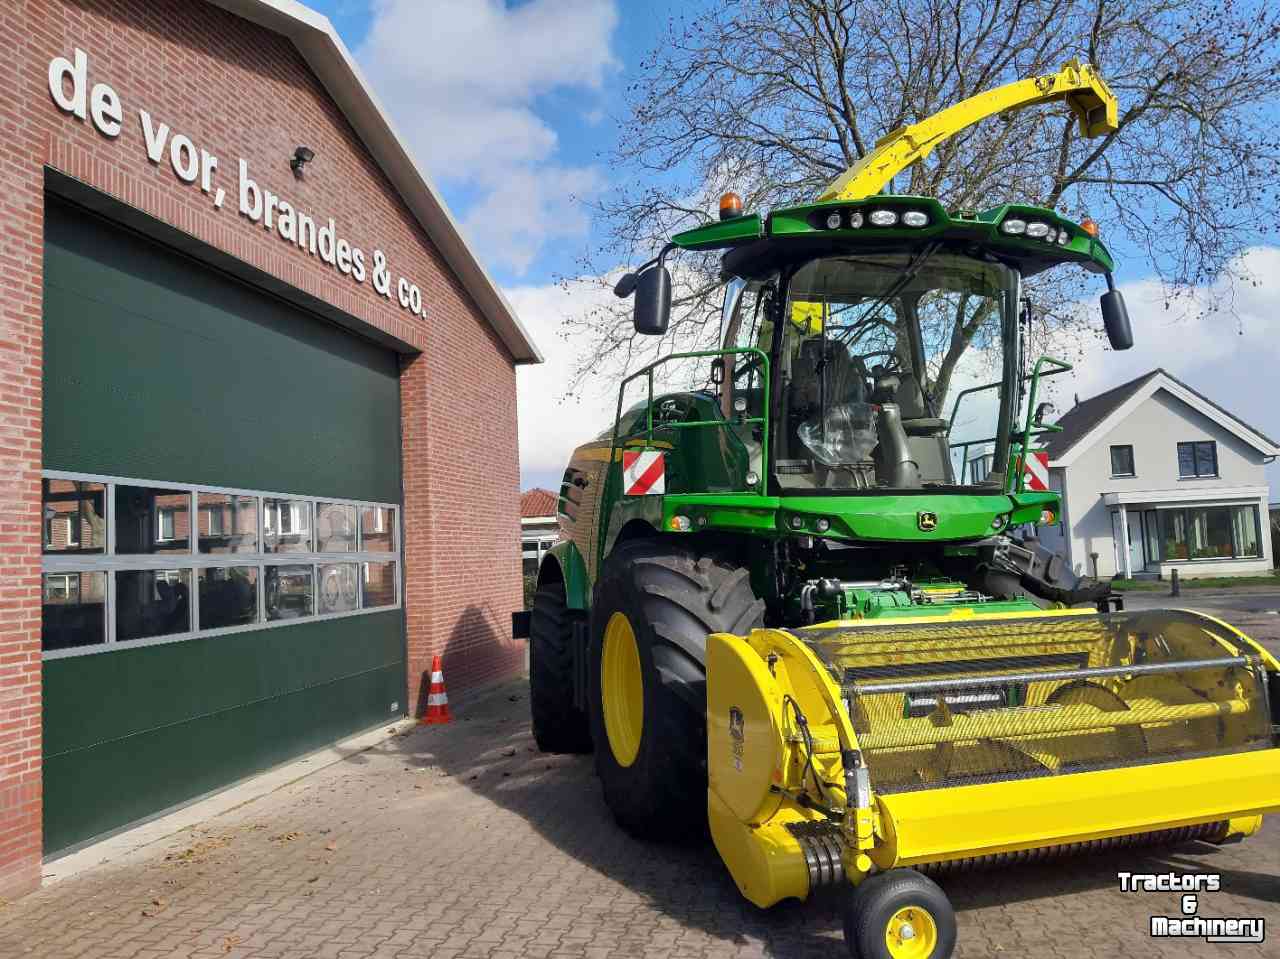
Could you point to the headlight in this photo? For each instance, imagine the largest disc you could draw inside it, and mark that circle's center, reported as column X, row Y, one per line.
column 822, row 525
column 1037, row 229
column 884, row 218
column 753, row 479
column 797, row 522
column 915, row 218
column 834, row 220
column 1051, row 236
column 855, row 219
column 1063, row 238
column 1014, row 227
column 740, row 404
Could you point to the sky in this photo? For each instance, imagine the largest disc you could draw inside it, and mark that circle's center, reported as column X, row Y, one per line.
column 511, row 108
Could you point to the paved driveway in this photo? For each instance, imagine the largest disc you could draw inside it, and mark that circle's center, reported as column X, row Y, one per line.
column 462, row 841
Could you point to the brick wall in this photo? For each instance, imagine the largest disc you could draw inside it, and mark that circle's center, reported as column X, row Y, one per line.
column 239, row 91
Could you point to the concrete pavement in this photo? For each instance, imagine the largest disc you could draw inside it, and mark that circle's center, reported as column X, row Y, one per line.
column 462, row 841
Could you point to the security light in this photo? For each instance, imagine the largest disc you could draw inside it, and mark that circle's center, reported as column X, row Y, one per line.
column 301, row 157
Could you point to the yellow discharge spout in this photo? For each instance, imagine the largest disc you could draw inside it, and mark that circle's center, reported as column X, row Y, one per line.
column 1079, row 84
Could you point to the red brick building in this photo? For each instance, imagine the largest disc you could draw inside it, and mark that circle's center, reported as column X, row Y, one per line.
column 228, row 286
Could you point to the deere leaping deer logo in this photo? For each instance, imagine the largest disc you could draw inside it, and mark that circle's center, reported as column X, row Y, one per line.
column 927, row 521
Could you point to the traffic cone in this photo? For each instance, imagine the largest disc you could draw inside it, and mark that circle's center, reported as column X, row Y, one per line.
column 437, row 699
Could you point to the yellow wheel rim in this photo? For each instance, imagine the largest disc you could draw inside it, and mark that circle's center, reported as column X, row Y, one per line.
column 912, row 933
column 622, row 689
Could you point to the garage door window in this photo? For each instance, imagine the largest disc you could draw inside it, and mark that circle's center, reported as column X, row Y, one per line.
column 125, row 565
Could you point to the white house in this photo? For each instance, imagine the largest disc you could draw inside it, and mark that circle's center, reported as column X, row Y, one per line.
column 1156, row 476
column 539, row 528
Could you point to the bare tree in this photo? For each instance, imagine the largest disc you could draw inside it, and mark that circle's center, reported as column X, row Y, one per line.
column 775, row 98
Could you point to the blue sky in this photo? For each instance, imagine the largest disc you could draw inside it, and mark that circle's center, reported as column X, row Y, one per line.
column 575, row 105
column 511, row 109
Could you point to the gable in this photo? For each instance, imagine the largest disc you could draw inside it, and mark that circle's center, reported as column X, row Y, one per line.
column 1092, row 424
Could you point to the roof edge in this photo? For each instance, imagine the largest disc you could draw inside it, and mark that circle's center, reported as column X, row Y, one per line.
column 328, row 57
column 1145, row 386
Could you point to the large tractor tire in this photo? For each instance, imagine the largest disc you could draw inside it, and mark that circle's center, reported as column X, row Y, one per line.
column 558, row 726
column 655, row 603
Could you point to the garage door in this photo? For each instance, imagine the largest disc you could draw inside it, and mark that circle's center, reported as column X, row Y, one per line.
column 221, row 530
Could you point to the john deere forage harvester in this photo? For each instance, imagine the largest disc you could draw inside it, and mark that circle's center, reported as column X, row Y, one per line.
column 793, row 604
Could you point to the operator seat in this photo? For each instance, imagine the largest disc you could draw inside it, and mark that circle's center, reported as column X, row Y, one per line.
column 926, row 435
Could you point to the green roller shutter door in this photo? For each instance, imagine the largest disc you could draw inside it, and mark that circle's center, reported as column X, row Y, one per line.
column 157, row 367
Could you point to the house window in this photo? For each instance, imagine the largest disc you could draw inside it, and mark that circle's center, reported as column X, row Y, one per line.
column 164, row 525
column 1209, row 532
column 1198, row 459
column 1122, row 461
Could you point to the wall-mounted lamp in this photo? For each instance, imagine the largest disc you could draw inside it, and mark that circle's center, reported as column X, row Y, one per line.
column 301, row 157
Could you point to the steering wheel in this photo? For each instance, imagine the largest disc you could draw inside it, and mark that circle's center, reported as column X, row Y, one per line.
column 893, row 362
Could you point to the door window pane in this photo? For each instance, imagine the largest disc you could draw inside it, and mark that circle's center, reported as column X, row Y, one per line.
column 288, row 592
column 228, row 596
column 286, row 526
column 376, row 529
column 74, row 516
column 1210, row 533
column 335, row 528
column 339, row 588
column 152, row 520
column 152, row 602
column 228, row 523
column 1151, row 532
column 72, row 610
column 379, row 584
column 1244, row 525
column 1173, row 531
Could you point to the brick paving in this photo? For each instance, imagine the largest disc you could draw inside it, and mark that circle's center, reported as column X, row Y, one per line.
column 461, row 841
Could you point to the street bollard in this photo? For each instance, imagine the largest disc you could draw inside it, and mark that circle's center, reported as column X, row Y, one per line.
column 1175, row 586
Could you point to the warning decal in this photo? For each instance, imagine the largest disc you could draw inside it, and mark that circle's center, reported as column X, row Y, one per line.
column 643, row 473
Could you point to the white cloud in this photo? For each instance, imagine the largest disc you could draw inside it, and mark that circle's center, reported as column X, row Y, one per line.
column 529, row 208
column 1232, row 357
column 552, row 421
column 462, row 78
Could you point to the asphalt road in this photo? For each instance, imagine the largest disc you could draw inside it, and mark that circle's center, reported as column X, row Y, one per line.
column 1255, row 611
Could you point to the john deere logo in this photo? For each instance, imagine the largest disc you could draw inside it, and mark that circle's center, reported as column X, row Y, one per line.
column 927, row 522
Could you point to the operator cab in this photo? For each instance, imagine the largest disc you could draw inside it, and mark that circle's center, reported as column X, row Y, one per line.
column 869, row 349
column 877, row 341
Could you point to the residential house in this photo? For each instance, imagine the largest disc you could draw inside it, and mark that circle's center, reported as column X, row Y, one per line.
column 539, row 528
column 1155, row 476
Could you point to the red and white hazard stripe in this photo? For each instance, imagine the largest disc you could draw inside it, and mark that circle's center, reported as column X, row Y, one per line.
column 643, row 473
column 1036, row 471
column 436, row 696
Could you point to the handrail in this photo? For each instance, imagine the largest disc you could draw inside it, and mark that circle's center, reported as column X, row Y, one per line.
column 1058, row 366
column 647, row 373
column 955, row 407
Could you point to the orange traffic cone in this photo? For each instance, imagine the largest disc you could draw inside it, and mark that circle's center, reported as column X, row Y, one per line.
column 437, row 699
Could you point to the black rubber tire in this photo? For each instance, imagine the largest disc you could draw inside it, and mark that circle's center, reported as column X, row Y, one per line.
column 873, row 903
column 558, row 726
column 674, row 597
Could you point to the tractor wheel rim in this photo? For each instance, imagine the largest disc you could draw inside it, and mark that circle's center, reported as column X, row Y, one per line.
column 622, row 689
column 911, row 933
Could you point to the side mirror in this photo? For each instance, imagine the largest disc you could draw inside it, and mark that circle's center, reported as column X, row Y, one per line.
column 1115, row 318
column 625, row 286
column 653, row 301
column 717, row 370
column 1042, row 410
